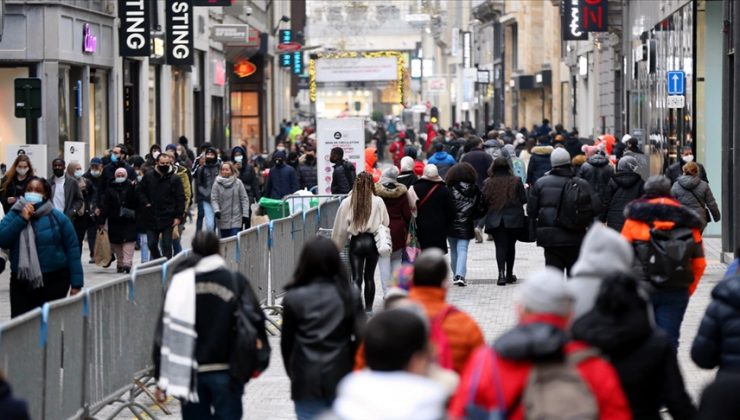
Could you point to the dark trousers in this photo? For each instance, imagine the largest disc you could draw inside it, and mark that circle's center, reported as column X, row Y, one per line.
column 505, row 240
column 24, row 299
column 216, row 399
column 152, row 239
column 362, row 260
column 669, row 307
column 92, row 235
column 81, row 224
column 561, row 257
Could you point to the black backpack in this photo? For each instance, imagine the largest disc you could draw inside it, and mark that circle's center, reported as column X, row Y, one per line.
column 248, row 360
column 668, row 259
column 575, row 209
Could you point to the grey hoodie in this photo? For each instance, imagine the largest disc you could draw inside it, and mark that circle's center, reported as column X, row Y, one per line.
column 603, row 252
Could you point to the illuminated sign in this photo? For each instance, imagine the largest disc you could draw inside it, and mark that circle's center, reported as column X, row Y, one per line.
column 593, row 15
column 244, row 68
column 297, row 62
column 89, row 41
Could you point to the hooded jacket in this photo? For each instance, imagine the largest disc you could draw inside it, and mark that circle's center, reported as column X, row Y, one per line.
column 598, row 172
column 623, row 188
column 538, row 338
column 662, row 213
column 481, row 161
column 469, row 207
column 695, row 194
column 282, row 181
column 396, row 201
column 539, row 163
column 204, row 179
column 229, row 198
column 118, row 196
column 717, row 344
column 371, row 158
column 443, row 160
column 643, row 164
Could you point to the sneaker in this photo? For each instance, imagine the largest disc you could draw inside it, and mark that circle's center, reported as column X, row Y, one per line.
column 459, row 281
column 478, row 235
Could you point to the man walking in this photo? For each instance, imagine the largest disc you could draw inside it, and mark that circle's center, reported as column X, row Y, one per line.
column 65, row 191
column 205, row 176
column 343, row 177
column 162, row 196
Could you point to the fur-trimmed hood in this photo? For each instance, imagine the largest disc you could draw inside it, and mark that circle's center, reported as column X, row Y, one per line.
column 390, row 190
column 542, row 150
column 663, row 210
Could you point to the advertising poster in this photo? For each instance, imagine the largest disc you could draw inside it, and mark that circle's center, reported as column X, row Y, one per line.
column 347, row 133
column 75, row 151
column 35, row 152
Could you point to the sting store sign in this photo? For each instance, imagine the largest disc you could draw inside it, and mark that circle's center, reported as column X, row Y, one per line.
column 579, row 17
column 134, row 38
column 593, row 15
column 179, row 28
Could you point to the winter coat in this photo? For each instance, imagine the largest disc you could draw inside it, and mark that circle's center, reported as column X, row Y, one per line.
column 205, row 176
column 397, row 151
column 98, row 186
column 719, row 399
column 396, row 201
column 407, row 178
column 56, row 243
column 163, row 199
column 12, row 408
column 463, row 333
column 109, row 172
column 343, row 228
column 319, row 338
column 511, row 216
column 87, row 188
column 539, row 163
column 435, row 217
column 343, row 177
column 480, row 161
column 15, row 189
column 469, row 207
column 229, row 198
column 307, row 174
column 598, row 172
column 117, row 196
column 544, row 200
column 643, row 357
column 443, row 161
column 717, row 344
column 676, row 170
column 516, row 352
column 73, row 200
column 696, row 194
column 183, row 173
column 249, row 179
column 623, row 188
column 662, row 213
column 282, row 181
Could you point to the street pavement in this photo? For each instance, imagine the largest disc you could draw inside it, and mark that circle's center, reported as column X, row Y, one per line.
column 492, row 306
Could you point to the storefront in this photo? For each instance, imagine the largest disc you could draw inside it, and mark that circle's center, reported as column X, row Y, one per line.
column 247, row 101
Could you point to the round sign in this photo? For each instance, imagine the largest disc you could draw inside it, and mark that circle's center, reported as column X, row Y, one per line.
column 337, row 135
column 289, row 46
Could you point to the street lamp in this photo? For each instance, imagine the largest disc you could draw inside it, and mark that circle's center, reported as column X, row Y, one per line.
column 282, row 19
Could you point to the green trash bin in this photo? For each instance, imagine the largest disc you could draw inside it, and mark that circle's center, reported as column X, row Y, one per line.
column 275, row 209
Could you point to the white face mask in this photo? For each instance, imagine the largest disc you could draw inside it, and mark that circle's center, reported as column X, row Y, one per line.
column 155, row 155
column 21, row 171
column 78, row 173
column 120, row 180
column 688, row 158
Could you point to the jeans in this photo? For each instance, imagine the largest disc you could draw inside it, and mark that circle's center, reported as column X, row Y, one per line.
column 225, row 233
column 310, row 409
column 209, row 217
column 505, row 240
column 153, row 242
column 458, row 255
column 199, row 219
column 144, row 247
column 216, row 399
column 669, row 307
column 386, row 265
column 177, row 243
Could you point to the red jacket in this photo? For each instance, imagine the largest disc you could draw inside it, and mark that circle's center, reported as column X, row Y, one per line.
column 513, row 375
column 396, row 150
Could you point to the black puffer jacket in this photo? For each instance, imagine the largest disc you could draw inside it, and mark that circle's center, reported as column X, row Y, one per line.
column 539, row 163
column 598, row 172
column 718, row 341
column 434, row 217
column 307, row 175
column 544, row 200
column 622, row 189
column 164, row 195
column 319, row 338
column 469, row 206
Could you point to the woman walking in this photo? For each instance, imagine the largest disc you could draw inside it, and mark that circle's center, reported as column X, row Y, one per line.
column 82, row 223
column 44, row 256
column 694, row 193
column 359, row 217
column 469, row 207
column 322, row 319
column 229, row 201
column 505, row 196
column 13, row 184
column 626, row 185
column 119, row 209
column 395, row 197
column 435, row 209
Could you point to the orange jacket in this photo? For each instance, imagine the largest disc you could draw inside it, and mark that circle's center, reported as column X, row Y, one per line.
column 462, row 331
column 664, row 213
column 371, row 158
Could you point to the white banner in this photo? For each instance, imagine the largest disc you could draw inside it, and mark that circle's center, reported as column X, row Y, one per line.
column 356, row 69
column 436, row 84
column 75, row 151
column 35, row 152
column 347, row 133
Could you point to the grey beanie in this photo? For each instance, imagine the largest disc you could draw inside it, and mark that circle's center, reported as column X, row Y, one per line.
column 658, row 186
column 559, row 157
column 546, row 292
column 627, row 164
column 389, row 175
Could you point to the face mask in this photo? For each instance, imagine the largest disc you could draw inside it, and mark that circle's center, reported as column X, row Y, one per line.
column 688, row 158
column 156, row 155
column 33, row 197
column 58, row 173
column 210, row 161
column 120, row 180
column 238, row 159
column 95, row 173
column 21, row 171
column 281, row 148
column 139, row 177
column 163, row 168
column 78, row 173
column 113, row 158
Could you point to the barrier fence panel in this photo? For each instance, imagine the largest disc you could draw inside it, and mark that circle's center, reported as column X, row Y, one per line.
column 22, row 359
column 327, row 214
column 310, row 224
column 147, row 303
column 298, row 237
column 230, row 252
column 254, row 260
column 281, row 256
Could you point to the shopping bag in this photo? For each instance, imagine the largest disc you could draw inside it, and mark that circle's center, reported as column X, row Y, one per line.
column 103, row 255
column 412, row 249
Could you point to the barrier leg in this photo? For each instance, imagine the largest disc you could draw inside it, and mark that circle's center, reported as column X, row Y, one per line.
column 142, row 386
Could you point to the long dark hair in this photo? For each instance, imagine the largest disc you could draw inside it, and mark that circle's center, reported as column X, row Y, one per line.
column 461, row 172
column 500, row 186
column 319, row 260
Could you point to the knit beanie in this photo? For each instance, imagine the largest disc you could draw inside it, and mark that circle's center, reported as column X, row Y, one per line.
column 389, row 175
column 407, row 164
column 627, row 164
column 658, row 186
column 545, row 292
column 559, row 157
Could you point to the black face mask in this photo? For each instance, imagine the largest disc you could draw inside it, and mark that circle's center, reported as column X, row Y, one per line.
column 58, row 173
column 210, row 161
column 310, row 158
column 163, row 168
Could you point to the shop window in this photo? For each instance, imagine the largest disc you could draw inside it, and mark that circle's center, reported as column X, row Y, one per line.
column 245, row 120
column 98, row 113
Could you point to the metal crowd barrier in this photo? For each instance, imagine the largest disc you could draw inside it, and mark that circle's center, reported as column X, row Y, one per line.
column 75, row 356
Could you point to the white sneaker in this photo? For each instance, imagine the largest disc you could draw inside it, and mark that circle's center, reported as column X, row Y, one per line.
column 478, row 235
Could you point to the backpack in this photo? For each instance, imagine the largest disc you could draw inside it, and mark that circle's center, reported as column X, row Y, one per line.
column 438, row 336
column 247, row 361
column 556, row 391
column 575, row 209
column 668, row 260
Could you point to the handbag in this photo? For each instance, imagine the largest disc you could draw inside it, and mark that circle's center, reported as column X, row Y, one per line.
column 412, row 249
column 707, row 214
column 383, row 241
column 125, row 213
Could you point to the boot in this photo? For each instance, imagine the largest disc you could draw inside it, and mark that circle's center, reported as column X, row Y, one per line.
column 501, row 278
column 510, row 278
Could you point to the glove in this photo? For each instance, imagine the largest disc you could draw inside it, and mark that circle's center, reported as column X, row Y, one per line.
column 245, row 222
column 218, row 215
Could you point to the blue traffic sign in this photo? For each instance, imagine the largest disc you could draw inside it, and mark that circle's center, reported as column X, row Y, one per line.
column 676, row 82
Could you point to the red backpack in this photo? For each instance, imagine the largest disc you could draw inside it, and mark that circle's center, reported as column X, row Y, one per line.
column 438, row 336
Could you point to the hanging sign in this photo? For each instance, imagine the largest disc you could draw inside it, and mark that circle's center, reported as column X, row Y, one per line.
column 593, row 15
column 179, row 29
column 89, row 41
column 570, row 21
column 133, row 35
column 198, row 3
column 244, row 68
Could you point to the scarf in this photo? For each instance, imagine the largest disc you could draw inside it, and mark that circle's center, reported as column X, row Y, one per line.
column 29, row 268
column 226, row 182
column 178, row 367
